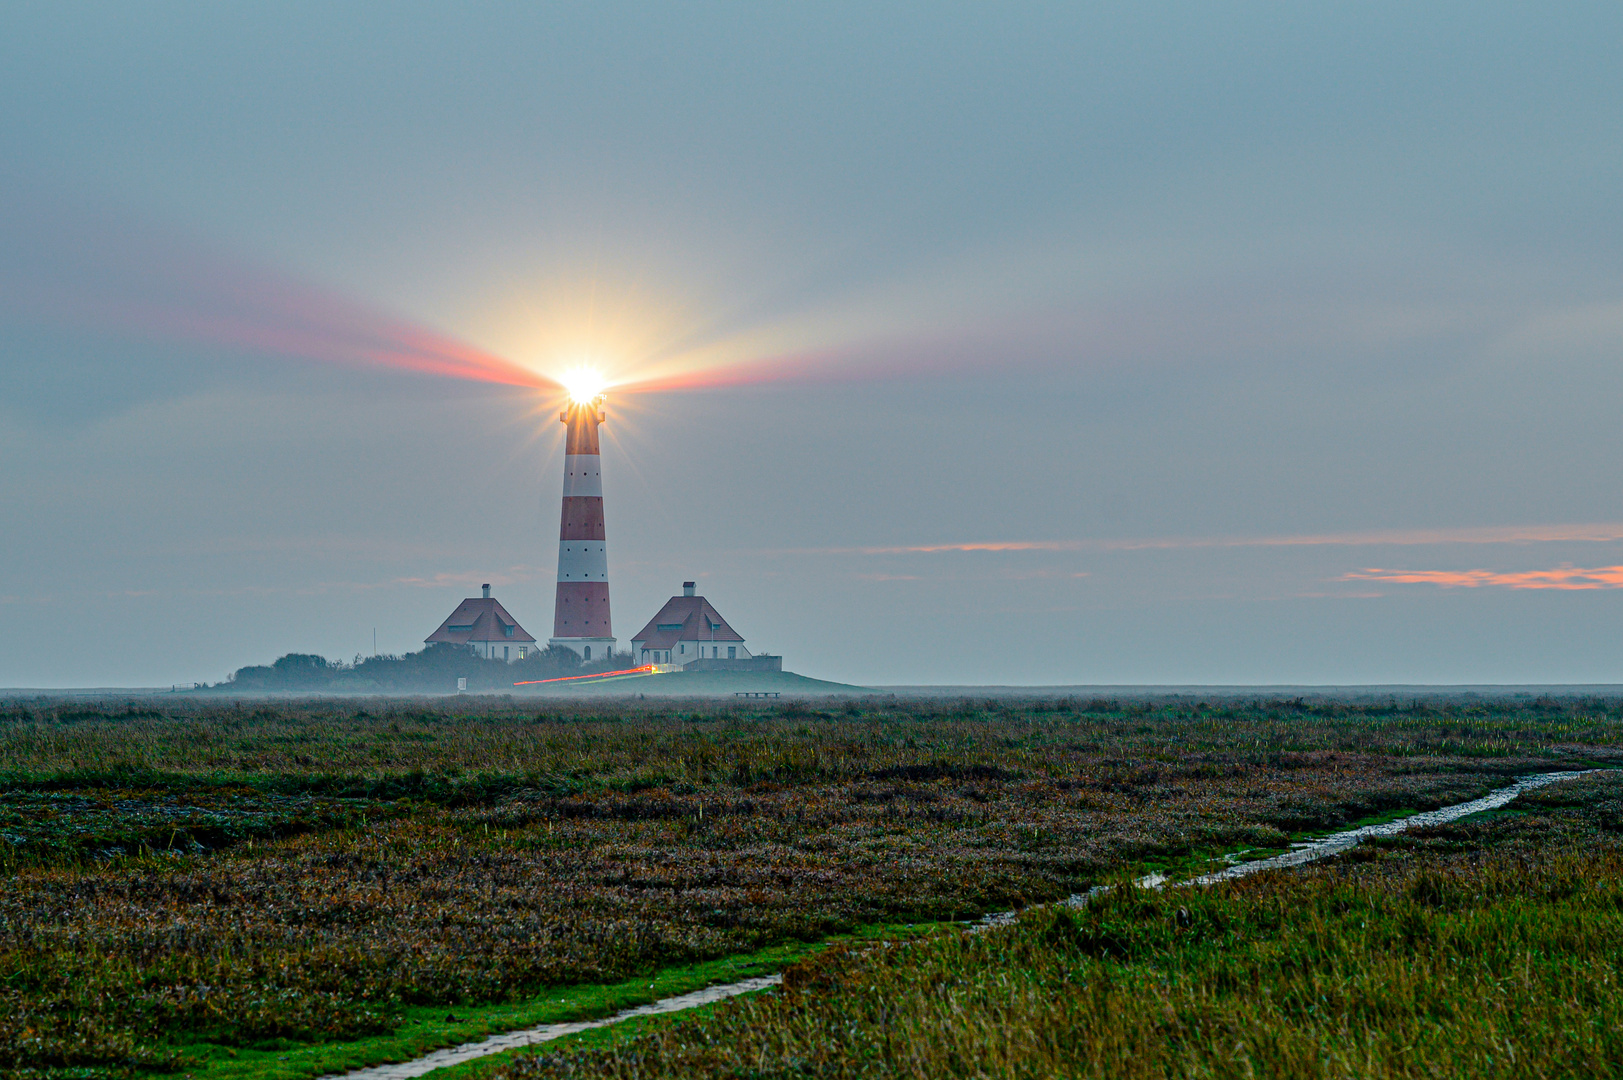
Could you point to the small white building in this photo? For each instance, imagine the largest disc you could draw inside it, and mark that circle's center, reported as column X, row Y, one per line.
column 485, row 627
column 687, row 628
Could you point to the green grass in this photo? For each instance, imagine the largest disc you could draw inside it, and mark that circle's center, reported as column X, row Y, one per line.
column 423, row 1029
column 1364, row 822
column 769, row 961
column 594, row 1039
column 1195, row 863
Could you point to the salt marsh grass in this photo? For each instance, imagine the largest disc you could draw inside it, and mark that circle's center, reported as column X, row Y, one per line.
column 1491, row 948
column 1498, row 970
column 262, row 876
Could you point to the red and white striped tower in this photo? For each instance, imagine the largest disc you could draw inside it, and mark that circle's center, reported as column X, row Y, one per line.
column 580, row 618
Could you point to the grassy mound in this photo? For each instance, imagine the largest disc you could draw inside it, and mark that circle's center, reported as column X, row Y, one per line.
column 710, row 684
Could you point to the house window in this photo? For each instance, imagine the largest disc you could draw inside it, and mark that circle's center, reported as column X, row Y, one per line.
column 523, row 652
column 682, row 648
column 588, row 652
column 504, row 652
column 732, row 652
column 508, row 630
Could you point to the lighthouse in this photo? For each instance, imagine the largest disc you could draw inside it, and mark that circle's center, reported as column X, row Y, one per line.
column 580, row 619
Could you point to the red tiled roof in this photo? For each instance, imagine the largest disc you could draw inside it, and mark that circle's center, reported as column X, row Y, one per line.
column 694, row 615
column 478, row 619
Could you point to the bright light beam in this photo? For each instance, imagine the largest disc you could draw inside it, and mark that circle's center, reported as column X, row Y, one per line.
column 646, row 669
column 79, row 268
column 583, row 383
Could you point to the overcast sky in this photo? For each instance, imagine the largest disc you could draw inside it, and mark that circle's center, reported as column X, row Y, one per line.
column 1184, row 343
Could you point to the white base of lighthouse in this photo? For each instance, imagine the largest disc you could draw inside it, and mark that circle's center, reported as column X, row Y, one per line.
column 587, row 648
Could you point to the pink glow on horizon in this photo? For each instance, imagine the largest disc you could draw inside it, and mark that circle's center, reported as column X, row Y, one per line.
column 1564, row 577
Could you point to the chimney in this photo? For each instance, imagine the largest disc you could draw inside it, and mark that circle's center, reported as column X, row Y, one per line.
column 687, row 588
column 486, row 587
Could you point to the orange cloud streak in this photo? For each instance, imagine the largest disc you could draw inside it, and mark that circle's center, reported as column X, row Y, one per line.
column 1565, row 577
column 932, row 549
column 1497, row 534
column 1492, row 534
column 989, row 545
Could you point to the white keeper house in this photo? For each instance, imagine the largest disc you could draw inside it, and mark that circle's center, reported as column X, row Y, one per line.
column 484, row 626
column 687, row 628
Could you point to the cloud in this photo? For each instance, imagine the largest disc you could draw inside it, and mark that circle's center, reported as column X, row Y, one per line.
column 468, row 580
column 1564, row 577
column 1604, row 532
column 985, row 545
column 1568, row 329
column 1493, row 534
column 935, row 549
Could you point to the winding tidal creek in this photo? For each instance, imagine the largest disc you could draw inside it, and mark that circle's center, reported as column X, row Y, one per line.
column 1336, row 843
column 512, row 1040
column 1299, row 854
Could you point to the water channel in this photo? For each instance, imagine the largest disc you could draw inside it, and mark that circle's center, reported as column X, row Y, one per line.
column 512, row 1040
